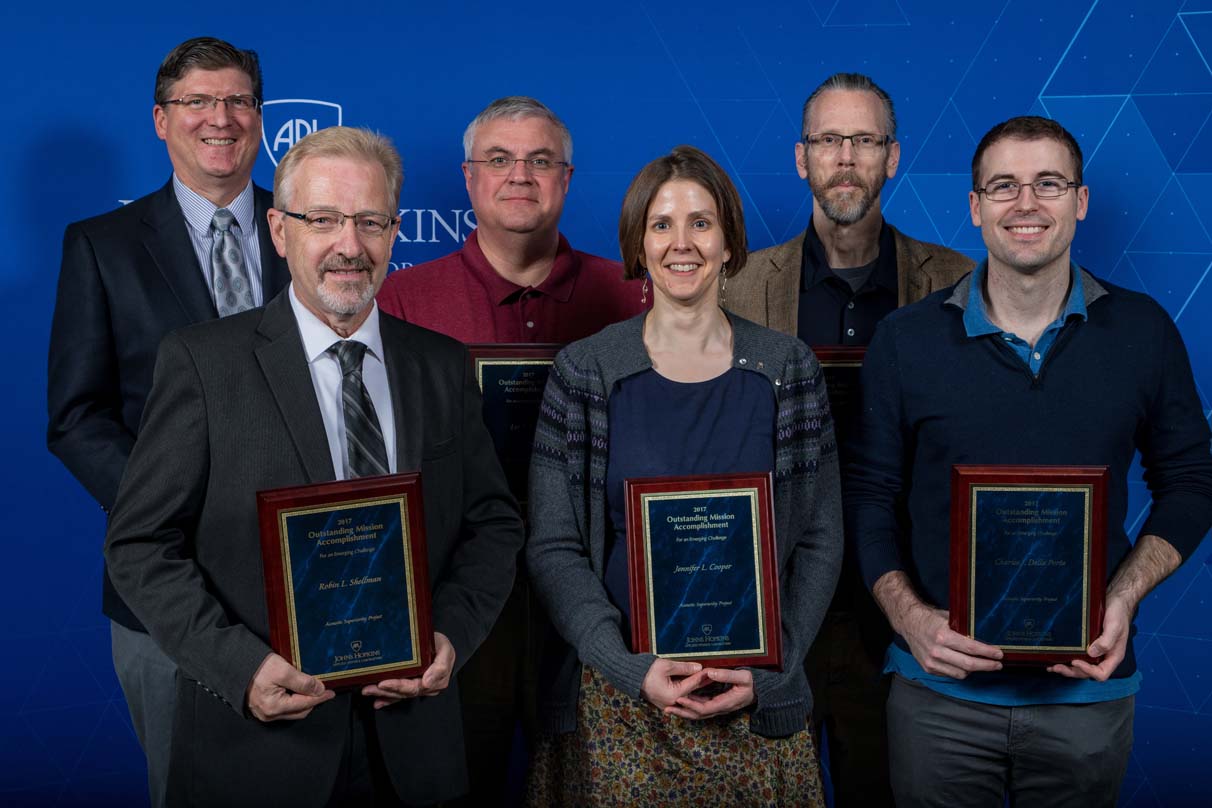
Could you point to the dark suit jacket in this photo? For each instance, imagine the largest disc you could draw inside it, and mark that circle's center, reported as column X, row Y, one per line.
column 128, row 278
column 767, row 290
column 233, row 411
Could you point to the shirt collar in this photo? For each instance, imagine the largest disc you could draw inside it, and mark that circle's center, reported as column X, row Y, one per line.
column 816, row 264
column 557, row 285
column 976, row 315
column 199, row 211
column 318, row 337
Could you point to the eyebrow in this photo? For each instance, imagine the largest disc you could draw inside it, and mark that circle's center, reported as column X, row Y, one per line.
column 502, row 151
column 1046, row 174
column 694, row 214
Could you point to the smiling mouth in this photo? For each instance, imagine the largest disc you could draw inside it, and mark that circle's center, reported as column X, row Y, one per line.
column 1026, row 229
column 218, row 141
column 682, row 268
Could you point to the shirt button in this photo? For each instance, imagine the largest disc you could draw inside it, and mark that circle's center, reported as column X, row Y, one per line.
column 1036, row 355
column 742, row 361
column 850, row 305
column 850, row 332
column 530, row 323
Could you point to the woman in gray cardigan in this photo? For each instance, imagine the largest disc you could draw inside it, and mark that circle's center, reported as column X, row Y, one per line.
column 683, row 389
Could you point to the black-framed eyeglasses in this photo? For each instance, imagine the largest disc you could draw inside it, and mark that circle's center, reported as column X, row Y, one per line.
column 1046, row 188
column 499, row 164
column 863, row 142
column 330, row 221
column 199, row 102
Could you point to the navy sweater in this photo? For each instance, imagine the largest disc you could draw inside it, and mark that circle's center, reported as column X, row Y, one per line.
column 933, row 397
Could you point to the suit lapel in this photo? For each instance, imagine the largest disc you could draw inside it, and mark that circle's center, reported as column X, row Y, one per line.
column 284, row 364
column 783, row 286
column 404, row 379
column 275, row 275
column 165, row 236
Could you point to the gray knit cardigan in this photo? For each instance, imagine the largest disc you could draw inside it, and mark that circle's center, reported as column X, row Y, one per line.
column 568, row 518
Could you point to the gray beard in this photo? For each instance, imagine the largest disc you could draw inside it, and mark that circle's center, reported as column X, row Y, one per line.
column 849, row 213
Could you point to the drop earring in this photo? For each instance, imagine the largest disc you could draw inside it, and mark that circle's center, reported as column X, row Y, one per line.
column 644, row 292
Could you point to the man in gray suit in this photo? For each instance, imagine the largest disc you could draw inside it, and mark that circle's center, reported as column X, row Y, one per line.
column 831, row 285
column 132, row 275
column 255, row 401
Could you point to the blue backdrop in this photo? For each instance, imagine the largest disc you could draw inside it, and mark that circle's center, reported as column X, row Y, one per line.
column 632, row 79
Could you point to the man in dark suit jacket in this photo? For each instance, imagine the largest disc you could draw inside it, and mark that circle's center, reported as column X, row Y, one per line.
column 254, row 401
column 128, row 278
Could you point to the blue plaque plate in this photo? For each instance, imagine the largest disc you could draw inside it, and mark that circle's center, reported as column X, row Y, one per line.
column 347, row 578
column 1032, row 570
column 703, row 583
column 511, row 379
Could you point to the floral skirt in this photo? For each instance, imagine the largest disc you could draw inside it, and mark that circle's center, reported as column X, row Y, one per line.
column 626, row 752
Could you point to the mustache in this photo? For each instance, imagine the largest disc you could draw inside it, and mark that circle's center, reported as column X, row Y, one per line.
column 847, row 177
column 339, row 265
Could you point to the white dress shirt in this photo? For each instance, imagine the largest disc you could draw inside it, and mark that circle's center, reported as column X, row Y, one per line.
column 326, row 379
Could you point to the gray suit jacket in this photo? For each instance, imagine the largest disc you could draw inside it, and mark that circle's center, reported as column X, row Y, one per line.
column 767, row 290
column 232, row 411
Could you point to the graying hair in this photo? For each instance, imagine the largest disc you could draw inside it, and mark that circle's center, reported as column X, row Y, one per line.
column 341, row 141
column 854, row 82
column 513, row 108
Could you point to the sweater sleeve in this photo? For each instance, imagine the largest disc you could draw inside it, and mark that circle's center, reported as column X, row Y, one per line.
column 876, row 469
column 558, row 551
column 1173, row 442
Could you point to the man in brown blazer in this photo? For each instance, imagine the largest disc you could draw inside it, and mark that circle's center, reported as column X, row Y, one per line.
column 831, row 285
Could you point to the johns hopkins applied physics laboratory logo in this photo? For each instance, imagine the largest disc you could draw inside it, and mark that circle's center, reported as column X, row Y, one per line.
column 286, row 121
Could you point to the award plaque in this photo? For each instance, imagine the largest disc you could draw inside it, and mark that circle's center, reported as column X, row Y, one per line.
column 842, row 364
column 347, row 578
column 1028, row 558
column 511, row 379
column 702, row 569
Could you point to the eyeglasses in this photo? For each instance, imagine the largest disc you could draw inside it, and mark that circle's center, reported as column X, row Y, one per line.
column 330, row 221
column 537, row 165
column 198, row 102
column 861, row 142
column 1046, row 188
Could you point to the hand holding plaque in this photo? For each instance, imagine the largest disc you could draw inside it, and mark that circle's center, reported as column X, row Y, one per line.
column 702, row 569
column 1028, row 547
column 347, row 578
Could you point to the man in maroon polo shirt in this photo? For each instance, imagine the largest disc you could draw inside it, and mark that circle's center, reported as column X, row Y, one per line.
column 516, row 279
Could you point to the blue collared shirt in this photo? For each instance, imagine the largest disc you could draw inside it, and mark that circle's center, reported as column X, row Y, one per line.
column 199, row 211
column 978, row 324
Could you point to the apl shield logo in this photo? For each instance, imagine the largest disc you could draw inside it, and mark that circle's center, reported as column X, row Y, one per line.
column 287, row 121
column 707, row 629
column 356, row 645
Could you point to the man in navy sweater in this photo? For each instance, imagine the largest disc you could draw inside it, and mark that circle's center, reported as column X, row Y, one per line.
column 1029, row 360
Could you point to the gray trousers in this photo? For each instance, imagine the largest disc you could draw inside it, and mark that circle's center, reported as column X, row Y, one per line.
column 149, row 682
column 949, row 752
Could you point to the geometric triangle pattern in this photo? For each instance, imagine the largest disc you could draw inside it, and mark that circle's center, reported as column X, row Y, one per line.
column 880, row 13
column 1175, row 120
column 1110, row 52
column 1177, row 66
column 1170, row 279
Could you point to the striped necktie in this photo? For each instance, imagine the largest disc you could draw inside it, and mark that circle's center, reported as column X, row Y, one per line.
column 366, row 453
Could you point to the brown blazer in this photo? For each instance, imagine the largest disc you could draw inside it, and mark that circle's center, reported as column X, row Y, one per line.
column 767, row 290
